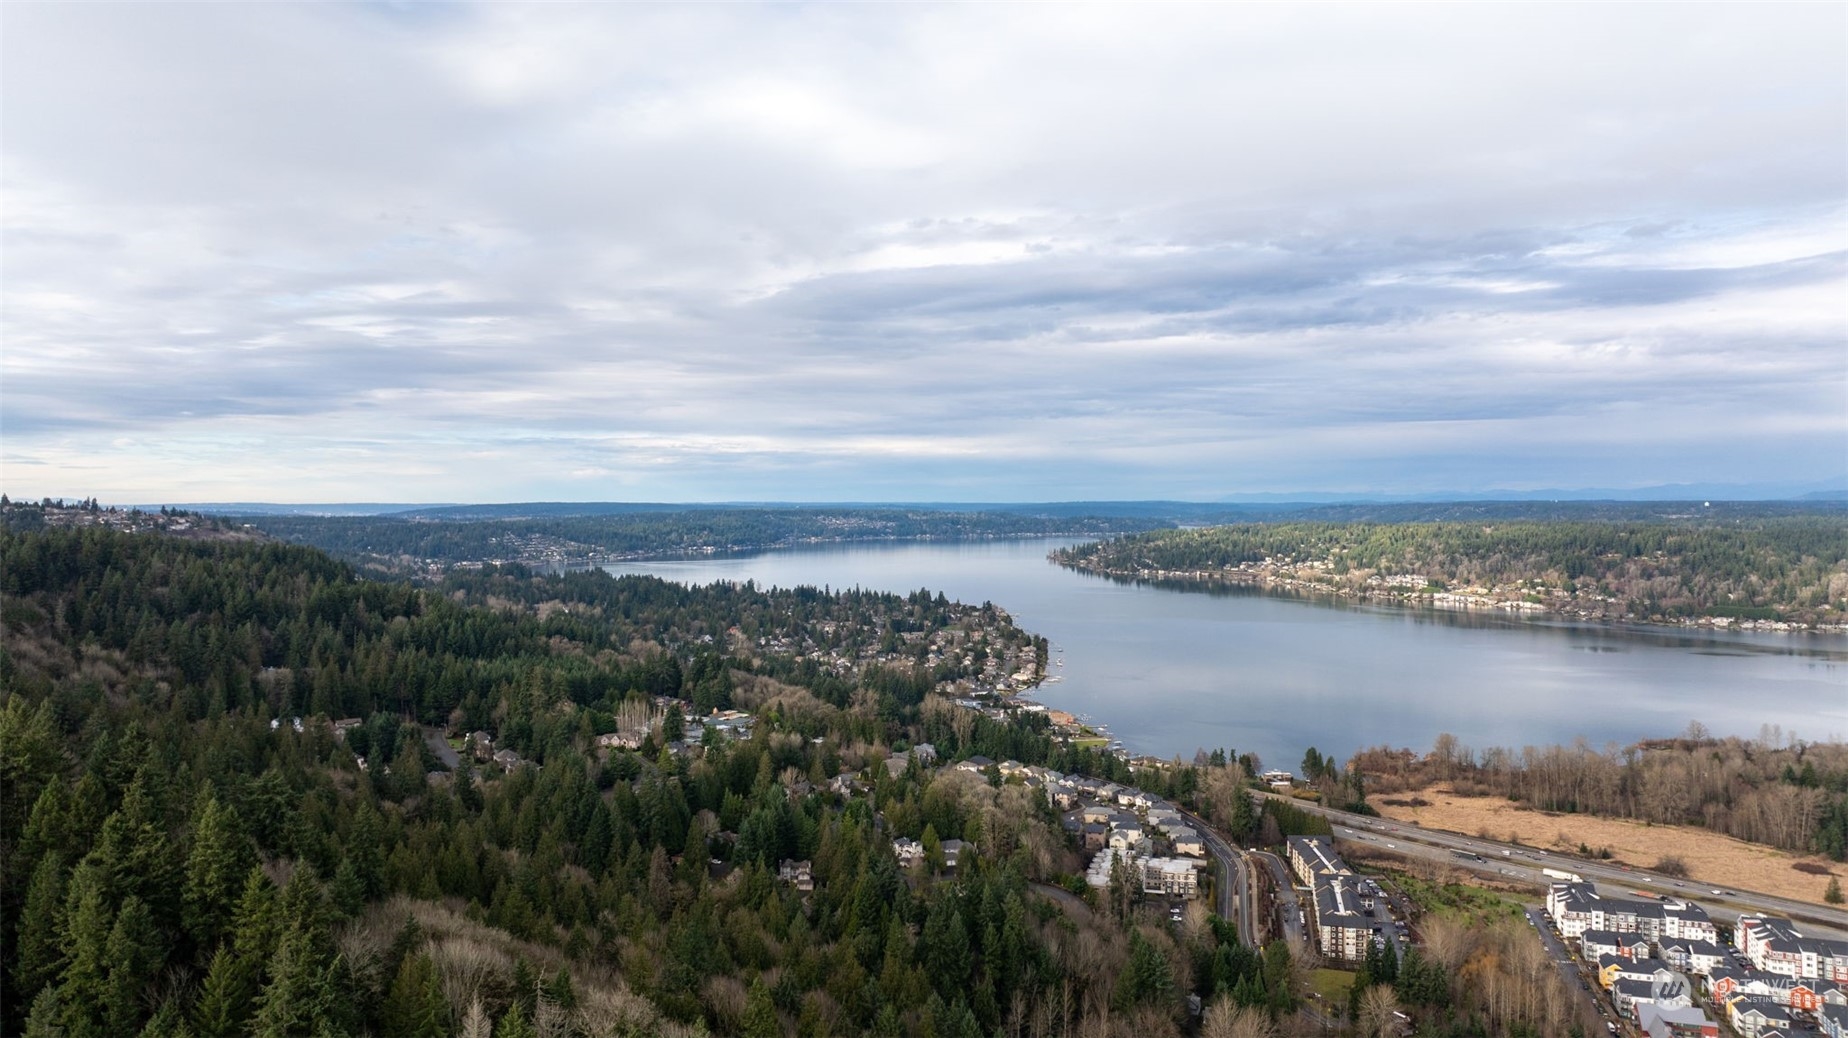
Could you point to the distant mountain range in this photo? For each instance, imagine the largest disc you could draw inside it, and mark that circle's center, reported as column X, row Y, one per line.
column 1228, row 508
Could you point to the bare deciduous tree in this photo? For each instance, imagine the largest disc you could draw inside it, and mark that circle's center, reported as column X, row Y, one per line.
column 1224, row 1019
column 1378, row 1004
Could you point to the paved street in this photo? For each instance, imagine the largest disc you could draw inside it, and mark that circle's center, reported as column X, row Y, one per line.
column 433, row 738
column 1235, row 901
column 1289, row 911
column 1582, row 995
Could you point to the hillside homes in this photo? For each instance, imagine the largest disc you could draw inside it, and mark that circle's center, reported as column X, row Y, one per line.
column 1126, row 824
column 1166, row 877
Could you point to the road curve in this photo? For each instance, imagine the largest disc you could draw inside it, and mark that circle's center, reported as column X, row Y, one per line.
column 1235, row 900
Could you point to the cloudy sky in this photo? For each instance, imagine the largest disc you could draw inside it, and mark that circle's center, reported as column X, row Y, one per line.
column 875, row 252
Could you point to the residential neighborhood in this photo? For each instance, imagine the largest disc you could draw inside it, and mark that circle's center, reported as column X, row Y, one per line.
column 1662, row 961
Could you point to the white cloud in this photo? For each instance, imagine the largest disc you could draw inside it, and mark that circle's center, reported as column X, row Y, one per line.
column 318, row 252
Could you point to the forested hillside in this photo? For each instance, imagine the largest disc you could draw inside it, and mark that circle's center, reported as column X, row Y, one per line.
column 193, row 847
column 1788, row 569
column 402, row 542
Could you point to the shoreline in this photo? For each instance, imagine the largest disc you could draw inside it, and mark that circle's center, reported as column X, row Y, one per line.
column 1472, row 600
column 597, row 558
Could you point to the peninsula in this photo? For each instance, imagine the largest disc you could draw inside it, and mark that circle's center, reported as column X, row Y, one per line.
column 1771, row 573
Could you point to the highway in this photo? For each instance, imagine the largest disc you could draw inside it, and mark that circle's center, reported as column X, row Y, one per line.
column 1525, row 863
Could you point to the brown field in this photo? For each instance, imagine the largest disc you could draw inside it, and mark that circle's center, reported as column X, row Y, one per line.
column 1712, row 860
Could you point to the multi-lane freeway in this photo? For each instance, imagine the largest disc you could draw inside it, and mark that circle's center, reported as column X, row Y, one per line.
column 1526, row 863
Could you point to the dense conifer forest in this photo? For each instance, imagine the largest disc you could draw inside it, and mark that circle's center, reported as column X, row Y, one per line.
column 193, row 847
column 443, row 536
column 243, row 791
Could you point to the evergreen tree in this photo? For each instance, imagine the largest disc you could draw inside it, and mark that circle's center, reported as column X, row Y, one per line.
column 135, row 953
column 887, row 1024
column 525, row 986
column 224, row 998
column 304, row 994
column 167, row 1022
column 216, row 869
column 945, row 947
column 760, row 1019
column 347, row 891
column 515, row 1024
column 1277, row 977
column 50, row 827
column 46, row 1019
column 256, row 926
column 38, row 951
column 415, row 1007
column 1147, row 977
column 1388, row 969
column 83, row 991
column 31, row 755
column 298, row 1000
column 559, row 989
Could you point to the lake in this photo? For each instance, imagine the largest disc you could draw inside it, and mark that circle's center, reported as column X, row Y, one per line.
column 1171, row 671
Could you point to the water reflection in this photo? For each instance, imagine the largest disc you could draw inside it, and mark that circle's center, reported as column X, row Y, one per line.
column 1797, row 643
column 1172, row 668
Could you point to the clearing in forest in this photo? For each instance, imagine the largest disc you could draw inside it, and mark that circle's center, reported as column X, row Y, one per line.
column 1712, row 860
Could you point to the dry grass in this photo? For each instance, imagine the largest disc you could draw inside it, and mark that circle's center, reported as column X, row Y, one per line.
column 1712, row 860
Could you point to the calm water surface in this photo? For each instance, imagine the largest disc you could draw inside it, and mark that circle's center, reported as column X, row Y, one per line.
column 1172, row 671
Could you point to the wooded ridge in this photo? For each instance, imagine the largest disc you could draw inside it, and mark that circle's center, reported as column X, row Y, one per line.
column 1779, row 570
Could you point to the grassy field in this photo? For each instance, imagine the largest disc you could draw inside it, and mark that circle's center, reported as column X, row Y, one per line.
column 1456, row 900
column 1712, row 860
column 1332, row 985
